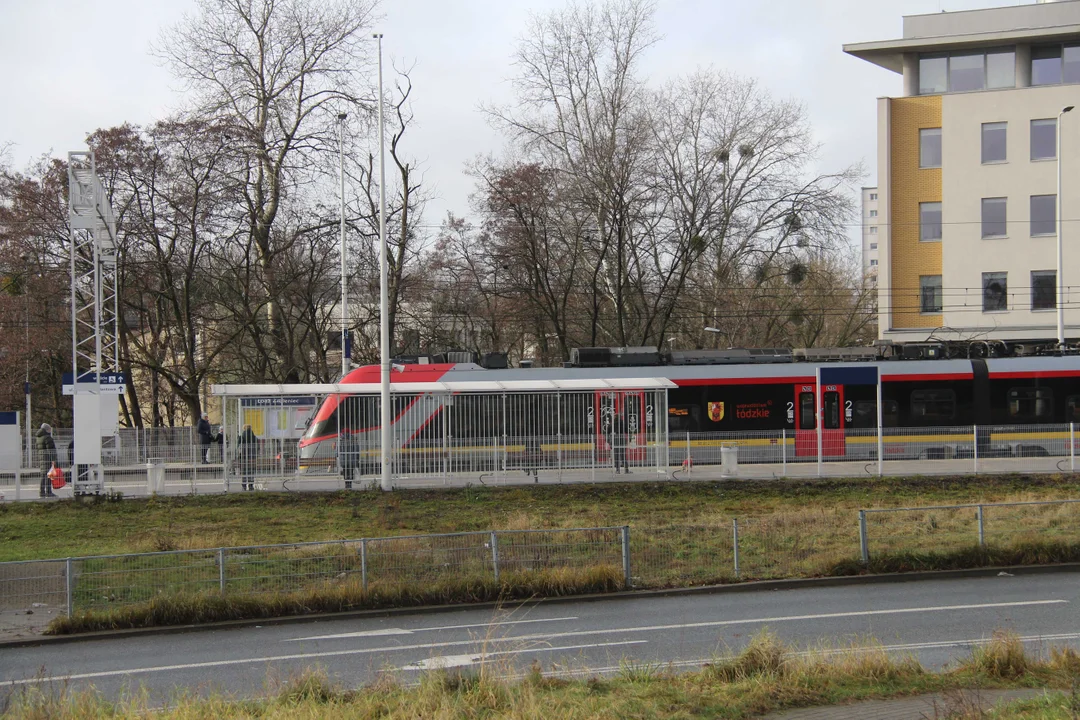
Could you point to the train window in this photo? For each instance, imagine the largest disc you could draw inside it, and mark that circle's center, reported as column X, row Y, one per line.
column 806, row 411
column 1031, row 403
column 864, row 414
column 1072, row 408
column 683, row 418
column 931, row 405
column 831, row 405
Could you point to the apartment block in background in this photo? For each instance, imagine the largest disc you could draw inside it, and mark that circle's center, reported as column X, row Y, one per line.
column 870, row 233
column 967, row 174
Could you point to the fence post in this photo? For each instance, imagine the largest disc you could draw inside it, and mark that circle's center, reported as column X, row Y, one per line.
column 783, row 452
column 221, row 570
column 495, row 554
column 1072, row 447
column 979, row 517
column 625, row 536
column 864, row 545
column 363, row 564
column 689, row 461
column 18, row 482
column 69, row 585
column 975, row 446
column 735, row 543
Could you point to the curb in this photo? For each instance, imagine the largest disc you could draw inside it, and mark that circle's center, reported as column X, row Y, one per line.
column 751, row 586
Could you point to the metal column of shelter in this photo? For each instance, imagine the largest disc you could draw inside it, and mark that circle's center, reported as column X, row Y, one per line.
column 94, row 312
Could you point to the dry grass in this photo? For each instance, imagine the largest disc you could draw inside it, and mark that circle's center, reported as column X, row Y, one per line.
column 764, row 677
column 185, row 609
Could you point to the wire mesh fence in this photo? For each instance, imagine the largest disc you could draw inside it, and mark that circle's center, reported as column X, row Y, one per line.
column 783, row 545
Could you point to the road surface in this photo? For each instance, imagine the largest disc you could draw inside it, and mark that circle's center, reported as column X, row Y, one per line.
column 937, row 620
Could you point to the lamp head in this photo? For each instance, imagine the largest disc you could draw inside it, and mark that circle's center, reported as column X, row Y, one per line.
column 1067, row 109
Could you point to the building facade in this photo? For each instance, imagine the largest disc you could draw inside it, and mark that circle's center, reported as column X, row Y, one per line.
column 967, row 174
column 870, row 232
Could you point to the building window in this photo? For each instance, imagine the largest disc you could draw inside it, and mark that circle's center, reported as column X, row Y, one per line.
column 1000, row 69
column 873, row 213
column 930, row 221
column 930, row 148
column 930, row 293
column 1043, row 212
column 1044, row 139
column 873, row 263
column 873, row 196
column 995, row 291
column 993, row 142
column 873, row 246
column 967, row 71
column 994, row 217
column 873, row 230
column 933, row 74
column 1043, row 290
column 1054, row 64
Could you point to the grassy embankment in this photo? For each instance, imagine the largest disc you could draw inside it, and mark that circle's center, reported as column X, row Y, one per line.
column 764, row 677
column 680, row 536
column 64, row 529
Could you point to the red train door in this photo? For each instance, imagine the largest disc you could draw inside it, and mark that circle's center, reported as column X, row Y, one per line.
column 622, row 421
column 834, row 420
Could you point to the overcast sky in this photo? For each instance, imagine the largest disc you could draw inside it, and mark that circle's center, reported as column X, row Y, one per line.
column 71, row 66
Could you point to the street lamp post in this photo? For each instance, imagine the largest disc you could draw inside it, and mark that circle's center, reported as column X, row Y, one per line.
column 384, row 300
column 1060, row 231
column 344, row 264
column 716, row 331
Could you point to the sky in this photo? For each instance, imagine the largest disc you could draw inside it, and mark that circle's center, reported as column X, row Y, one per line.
column 71, row 67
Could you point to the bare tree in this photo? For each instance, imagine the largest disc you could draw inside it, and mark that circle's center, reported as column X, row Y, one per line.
column 277, row 72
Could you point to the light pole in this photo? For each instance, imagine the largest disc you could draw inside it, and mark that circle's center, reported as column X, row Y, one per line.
column 384, row 301
column 716, row 331
column 344, row 265
column 1060, row 230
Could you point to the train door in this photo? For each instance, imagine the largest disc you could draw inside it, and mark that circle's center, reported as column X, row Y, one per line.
column 835, row 417
column 621, row 423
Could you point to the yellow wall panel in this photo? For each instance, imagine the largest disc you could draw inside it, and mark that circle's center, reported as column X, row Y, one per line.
column 909, row 186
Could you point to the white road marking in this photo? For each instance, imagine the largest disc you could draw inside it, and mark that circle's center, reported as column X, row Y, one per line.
column 403, row 631
column 452, row 661
column 519, row 638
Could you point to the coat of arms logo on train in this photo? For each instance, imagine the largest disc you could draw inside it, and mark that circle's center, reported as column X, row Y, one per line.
column 716, row 411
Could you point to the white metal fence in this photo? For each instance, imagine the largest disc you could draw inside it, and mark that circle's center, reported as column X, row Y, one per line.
column 172, row 461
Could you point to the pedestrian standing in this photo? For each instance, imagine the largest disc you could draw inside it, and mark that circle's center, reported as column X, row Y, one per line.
column 46, row 450
column 247, row 447
column 206, row 436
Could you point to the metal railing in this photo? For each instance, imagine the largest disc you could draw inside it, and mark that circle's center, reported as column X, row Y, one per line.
column 793, row 544
column 273, row 463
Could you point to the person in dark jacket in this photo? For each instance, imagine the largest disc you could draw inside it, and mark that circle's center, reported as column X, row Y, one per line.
column 247, row 450
column 46, row 452
column 206, row 436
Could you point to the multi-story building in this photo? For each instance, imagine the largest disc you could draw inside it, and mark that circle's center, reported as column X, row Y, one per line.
column 967, row 174
column 869, row 234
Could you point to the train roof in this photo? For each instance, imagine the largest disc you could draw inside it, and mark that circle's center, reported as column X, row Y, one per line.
column 469, row 377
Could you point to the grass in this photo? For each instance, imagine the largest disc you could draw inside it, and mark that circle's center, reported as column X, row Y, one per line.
column 341, row 595
column 766, row 676
column 30, row 531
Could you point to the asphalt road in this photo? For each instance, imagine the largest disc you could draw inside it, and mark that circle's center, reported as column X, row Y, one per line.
column 938, row 620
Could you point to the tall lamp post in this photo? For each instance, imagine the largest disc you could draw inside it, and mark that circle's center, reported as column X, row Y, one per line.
column 344, row 265
column 1060, row 231
column 384, row 301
